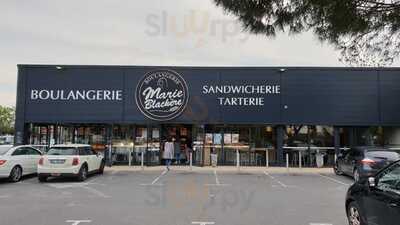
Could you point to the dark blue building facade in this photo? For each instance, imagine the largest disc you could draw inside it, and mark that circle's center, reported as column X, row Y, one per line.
column 130, row 110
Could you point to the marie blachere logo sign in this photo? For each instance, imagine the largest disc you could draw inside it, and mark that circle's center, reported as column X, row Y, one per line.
column 162, row 95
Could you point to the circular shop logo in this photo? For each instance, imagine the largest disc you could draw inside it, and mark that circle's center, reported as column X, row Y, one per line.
column 162, row 95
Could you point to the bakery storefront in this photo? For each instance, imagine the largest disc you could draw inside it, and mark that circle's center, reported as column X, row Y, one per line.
column 261, row 114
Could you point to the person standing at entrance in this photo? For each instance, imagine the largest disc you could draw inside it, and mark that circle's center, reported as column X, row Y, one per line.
column 177, row 150
column 168, row 153
column 188, row 151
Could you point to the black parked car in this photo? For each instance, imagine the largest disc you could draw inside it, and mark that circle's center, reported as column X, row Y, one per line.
column 375, row 200
column 364, row 161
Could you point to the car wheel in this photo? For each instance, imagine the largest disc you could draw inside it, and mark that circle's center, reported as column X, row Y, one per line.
column 42, row 178
column 356, row 175
column 337, row 170
column 101, row 169
column 83, row 172
column 16, row 174
column 354, row 214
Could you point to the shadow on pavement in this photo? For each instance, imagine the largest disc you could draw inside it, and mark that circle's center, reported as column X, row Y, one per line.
column 26, row 177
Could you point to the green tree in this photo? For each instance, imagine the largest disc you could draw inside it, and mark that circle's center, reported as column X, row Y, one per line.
column 366, row 32
column 7, row 117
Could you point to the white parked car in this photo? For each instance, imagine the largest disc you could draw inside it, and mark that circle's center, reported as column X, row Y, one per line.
column 71, row 160
column 18, row 161
column 6, row 140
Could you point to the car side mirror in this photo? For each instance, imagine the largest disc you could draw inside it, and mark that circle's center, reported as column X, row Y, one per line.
column 371, row 182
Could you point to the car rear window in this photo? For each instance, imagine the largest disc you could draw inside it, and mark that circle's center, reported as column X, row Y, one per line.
column 4, row 149
column 62, row 151
column 393, row 155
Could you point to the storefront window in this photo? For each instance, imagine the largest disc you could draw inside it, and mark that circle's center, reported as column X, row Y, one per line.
column 34, row 135
column 97, row 136
column 213, row 144
column 122, row 145
column 252, row 142
column 153, row 156
column 296, row 136
column 392, row 136
column 262, row 140
column 82, row 135
column 310, row 143
column 236, row 138
column 362, row 136
column 66, row 134
column 140, row 143
column 369, row 136
column 39, row 134
column 182, row 133
column 198, row 144
column 322, row 138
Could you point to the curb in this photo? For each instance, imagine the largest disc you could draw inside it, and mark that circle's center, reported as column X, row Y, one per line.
column 223, row 169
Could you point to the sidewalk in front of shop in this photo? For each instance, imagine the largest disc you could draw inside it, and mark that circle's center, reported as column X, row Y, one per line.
column 227, row 169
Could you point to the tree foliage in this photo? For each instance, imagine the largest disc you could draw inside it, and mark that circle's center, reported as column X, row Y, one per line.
column 7, row 116
column 366, row 32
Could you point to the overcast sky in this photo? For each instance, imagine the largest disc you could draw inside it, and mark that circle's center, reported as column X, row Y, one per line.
column 154, row 32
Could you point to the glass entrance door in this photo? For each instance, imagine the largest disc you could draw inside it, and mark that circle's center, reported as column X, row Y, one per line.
column 198, row 136
column 122, row 145
column 182, row 134
column 153, row 154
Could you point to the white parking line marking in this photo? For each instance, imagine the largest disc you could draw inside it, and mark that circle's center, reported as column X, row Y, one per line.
column 83, row 185
column 77, row 222
column 96, row 192
column 216, row 177
column 94, row 183
column 157, row 178
column 154, row 183
column 334, row 180
column 68, row 185
column 203, row 223
column 217, row 183
column 273, row 178
column 151, row 185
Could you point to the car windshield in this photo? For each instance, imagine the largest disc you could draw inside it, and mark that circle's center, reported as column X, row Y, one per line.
column 4, row 149
column 62, row 151
column 393, row 155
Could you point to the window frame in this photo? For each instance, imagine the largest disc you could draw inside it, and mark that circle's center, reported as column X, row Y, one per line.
column 81, row 151
column 34, row 150
column 18, row 150
column 88, row 151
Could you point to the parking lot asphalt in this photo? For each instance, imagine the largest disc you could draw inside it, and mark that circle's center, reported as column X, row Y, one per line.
column 178, row 197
